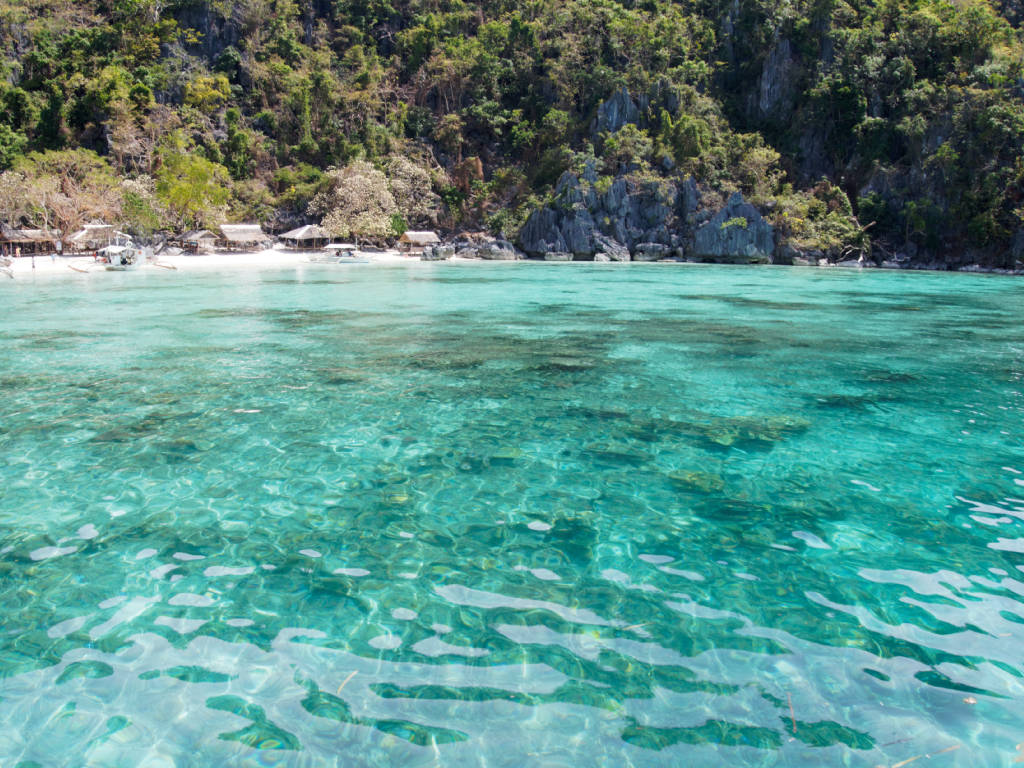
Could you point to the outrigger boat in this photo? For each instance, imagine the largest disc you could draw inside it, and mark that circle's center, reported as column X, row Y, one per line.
column 339, row 253
column 119, row 258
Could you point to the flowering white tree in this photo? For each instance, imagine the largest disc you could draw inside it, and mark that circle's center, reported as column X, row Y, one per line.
column 358, row 203
column 413, row 190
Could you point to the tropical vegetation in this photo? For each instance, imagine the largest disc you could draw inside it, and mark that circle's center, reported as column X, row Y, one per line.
column 897, row 124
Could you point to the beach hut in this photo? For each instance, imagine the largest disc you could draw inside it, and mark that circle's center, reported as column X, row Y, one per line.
column 415, row 242
column 309, row 237
column 198, row 241
column 243, row 237
column 28, row 241
column 92, row 237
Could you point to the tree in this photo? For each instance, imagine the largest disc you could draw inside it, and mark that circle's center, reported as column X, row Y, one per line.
column 357, row 203
column 65, row 188
column 141, row 211
column 412, row 188
column 194, row 189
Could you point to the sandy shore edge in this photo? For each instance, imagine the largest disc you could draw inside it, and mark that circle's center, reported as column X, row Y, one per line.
column 268, row 259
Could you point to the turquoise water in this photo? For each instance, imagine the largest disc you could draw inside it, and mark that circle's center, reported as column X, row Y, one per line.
column 509, row 515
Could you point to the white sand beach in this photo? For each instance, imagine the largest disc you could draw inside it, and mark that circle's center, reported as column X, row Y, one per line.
column 270, row 258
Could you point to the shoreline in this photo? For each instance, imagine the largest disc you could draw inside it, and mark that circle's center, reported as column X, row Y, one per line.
column 272, row 258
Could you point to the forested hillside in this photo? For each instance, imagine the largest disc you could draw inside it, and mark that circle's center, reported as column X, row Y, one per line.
column 855, row 127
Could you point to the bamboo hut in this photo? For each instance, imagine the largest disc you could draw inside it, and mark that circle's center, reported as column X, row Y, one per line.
column 243, row 237
column 27, row 241
column 198, row 241
column 414, row 242
column 92, row 237
column 307, row 238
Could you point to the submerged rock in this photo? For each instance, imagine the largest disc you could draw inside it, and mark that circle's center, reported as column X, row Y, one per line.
column 706, row 482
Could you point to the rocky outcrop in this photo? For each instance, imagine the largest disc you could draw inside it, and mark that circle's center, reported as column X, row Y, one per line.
column 489, row 249
column 651, row 252
column 609, row 249
column 586, row 219
column 737, row 234
column 437, row 253
column 616, row 112
column 498, row 250
column 778, row 83
column 646, row 220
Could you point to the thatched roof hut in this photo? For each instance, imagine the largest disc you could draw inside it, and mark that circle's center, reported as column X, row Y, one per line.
column 415, row 241
column 92, row 237
column 309, row 236
column 198, row 240
column 28, row 240
column 243, row 236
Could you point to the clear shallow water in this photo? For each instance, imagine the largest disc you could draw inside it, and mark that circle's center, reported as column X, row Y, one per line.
column 512, row 515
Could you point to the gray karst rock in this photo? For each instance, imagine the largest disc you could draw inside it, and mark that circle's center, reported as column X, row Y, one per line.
column 628, row 212
column 786, row 254
column 616, row 112
column 736, row 234
column 542, row 232
column 499, row 250
column 578, row 229
column 651, row 252
column 609, row 249
column 778, row 82
column 438, row 253
column 557, row 256
column 490, row 249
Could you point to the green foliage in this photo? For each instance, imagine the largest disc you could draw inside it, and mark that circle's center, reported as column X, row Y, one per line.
column 207, row 93
column 139, row 214
column 822, row 219
column 629, row 147
column 12, row 145
column 920, row 98
column 194, row 189
column 398, row 225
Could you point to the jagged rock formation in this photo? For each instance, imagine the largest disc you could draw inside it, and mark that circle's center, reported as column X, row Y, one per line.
column 616, row 112
column 586, row 221
column 736, row 234
column 647, row 223
column 487, row 248
column 777, row 86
